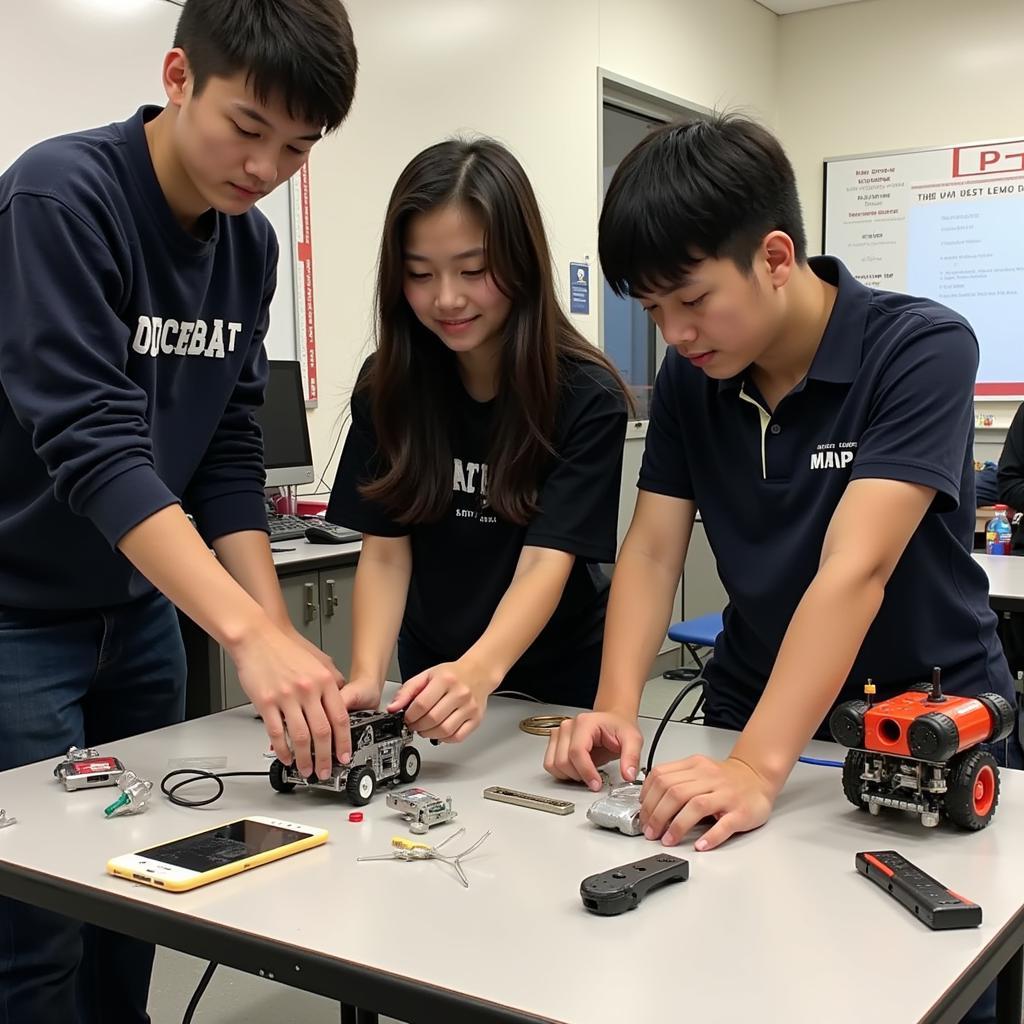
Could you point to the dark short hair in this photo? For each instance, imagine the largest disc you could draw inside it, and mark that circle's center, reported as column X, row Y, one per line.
column 711, row 188
column 299, row 50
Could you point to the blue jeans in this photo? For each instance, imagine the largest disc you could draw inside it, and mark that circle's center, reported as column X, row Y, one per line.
column 84, row 678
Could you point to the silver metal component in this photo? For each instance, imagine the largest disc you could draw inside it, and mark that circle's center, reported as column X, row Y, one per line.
column 904, row 784
column 5, row 821
column 134, row 798
column 895, row 802
column 79, row 754
column 86, row 769
column 405, row 850
column 421, row 808
column 531, row 800
column 618, row 809
column 380, row 742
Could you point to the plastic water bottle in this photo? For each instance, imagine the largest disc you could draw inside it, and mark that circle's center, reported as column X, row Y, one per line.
column 997, row 533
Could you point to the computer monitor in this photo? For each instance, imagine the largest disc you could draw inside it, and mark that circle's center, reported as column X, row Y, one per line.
column 282, row 418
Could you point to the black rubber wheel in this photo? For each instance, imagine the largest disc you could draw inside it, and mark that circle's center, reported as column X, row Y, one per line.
column 277, row 777
column 360, row 785
column 853, row 785
column 409, row 764
column 846, row 723
column 972, row 789
column 933, row 737
column 1003, row 715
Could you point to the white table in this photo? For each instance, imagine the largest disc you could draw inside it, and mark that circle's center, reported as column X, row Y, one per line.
column 1005, row 581
column 774, row 926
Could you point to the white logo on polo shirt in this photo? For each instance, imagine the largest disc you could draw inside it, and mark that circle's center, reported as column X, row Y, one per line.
column 833, row 456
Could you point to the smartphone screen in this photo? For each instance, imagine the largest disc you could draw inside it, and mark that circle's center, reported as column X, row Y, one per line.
column 218, row 847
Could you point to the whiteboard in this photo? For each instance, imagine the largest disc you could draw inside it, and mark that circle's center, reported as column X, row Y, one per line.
column 76, row 64
column 945, row 223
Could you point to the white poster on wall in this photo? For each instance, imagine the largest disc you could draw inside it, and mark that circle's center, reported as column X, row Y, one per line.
column 943, row 223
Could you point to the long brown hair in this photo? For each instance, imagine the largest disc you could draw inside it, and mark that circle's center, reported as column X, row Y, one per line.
column 413, row 379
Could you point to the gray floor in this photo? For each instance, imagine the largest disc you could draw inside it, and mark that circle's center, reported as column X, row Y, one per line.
column 237, row 998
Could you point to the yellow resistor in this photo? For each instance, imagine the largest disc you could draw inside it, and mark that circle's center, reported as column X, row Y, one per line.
column 401, row 843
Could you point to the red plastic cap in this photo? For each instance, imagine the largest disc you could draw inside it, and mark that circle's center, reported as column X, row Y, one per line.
column 1000, row 508
column 355, row 816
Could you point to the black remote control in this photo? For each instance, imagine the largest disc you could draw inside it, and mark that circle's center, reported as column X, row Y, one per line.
column 612, row 892
column 938, row 907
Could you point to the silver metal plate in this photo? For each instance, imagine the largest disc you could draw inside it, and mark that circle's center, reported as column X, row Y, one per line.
column 531, row 800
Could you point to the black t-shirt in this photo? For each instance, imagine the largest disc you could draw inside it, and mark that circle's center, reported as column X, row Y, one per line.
column 463, row 563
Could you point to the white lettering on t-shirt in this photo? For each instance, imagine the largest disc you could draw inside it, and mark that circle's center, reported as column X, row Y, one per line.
column 155, row 336
column 469, row 477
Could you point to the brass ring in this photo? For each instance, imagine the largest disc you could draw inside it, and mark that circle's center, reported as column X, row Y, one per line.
column 542, row 725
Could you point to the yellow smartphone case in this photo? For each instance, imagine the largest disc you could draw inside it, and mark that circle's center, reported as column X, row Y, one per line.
column 226, row 870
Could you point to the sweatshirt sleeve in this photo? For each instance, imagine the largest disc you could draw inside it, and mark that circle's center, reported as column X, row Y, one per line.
column 226, row 493
column 63, row 354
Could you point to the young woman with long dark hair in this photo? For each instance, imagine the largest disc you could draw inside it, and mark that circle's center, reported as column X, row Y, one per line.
column 484, row 457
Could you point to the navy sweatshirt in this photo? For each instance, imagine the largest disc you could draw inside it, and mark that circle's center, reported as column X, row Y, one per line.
column 131, row 360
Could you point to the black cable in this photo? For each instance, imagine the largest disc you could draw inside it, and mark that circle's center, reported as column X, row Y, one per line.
column 200, row 775
column 688, row 688
column 204, row 981
column 327, row 466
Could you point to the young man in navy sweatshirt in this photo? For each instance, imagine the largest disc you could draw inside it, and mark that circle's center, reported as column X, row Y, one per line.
column 134, row 298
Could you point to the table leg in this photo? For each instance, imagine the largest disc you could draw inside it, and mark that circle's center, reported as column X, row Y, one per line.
column 354, row 1015
column 1009, row 992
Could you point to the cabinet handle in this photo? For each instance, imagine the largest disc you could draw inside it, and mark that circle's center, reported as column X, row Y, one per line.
column 311, row 610
column 332, row 599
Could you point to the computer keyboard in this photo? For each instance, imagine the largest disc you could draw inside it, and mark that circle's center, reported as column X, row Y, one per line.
column 286, row 527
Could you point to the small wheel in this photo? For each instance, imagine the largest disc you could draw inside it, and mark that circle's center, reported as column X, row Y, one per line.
column 277, row 780
column 409, row 764
column 853, row 784
column 361, row 785
column 973, row 789
column 846, row 723
column 1003, row 715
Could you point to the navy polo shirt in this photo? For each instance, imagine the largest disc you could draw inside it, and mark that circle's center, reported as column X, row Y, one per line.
column 889, row 395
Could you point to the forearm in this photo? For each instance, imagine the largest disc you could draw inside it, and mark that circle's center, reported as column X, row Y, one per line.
column 639, row 612
column 248, row 559
column 378, row 605
column 840, row 604
column 524, row 610
column 166, row 549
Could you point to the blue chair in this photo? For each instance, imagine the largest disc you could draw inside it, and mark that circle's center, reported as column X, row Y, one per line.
column 695, row 635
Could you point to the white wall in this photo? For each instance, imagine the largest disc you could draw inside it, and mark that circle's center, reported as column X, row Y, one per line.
column 898, row 74
column 524, row 71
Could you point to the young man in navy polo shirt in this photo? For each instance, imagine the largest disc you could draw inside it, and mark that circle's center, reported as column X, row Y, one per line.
column 824, row 430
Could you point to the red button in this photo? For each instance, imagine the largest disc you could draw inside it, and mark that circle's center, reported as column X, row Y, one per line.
column 355, row 816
